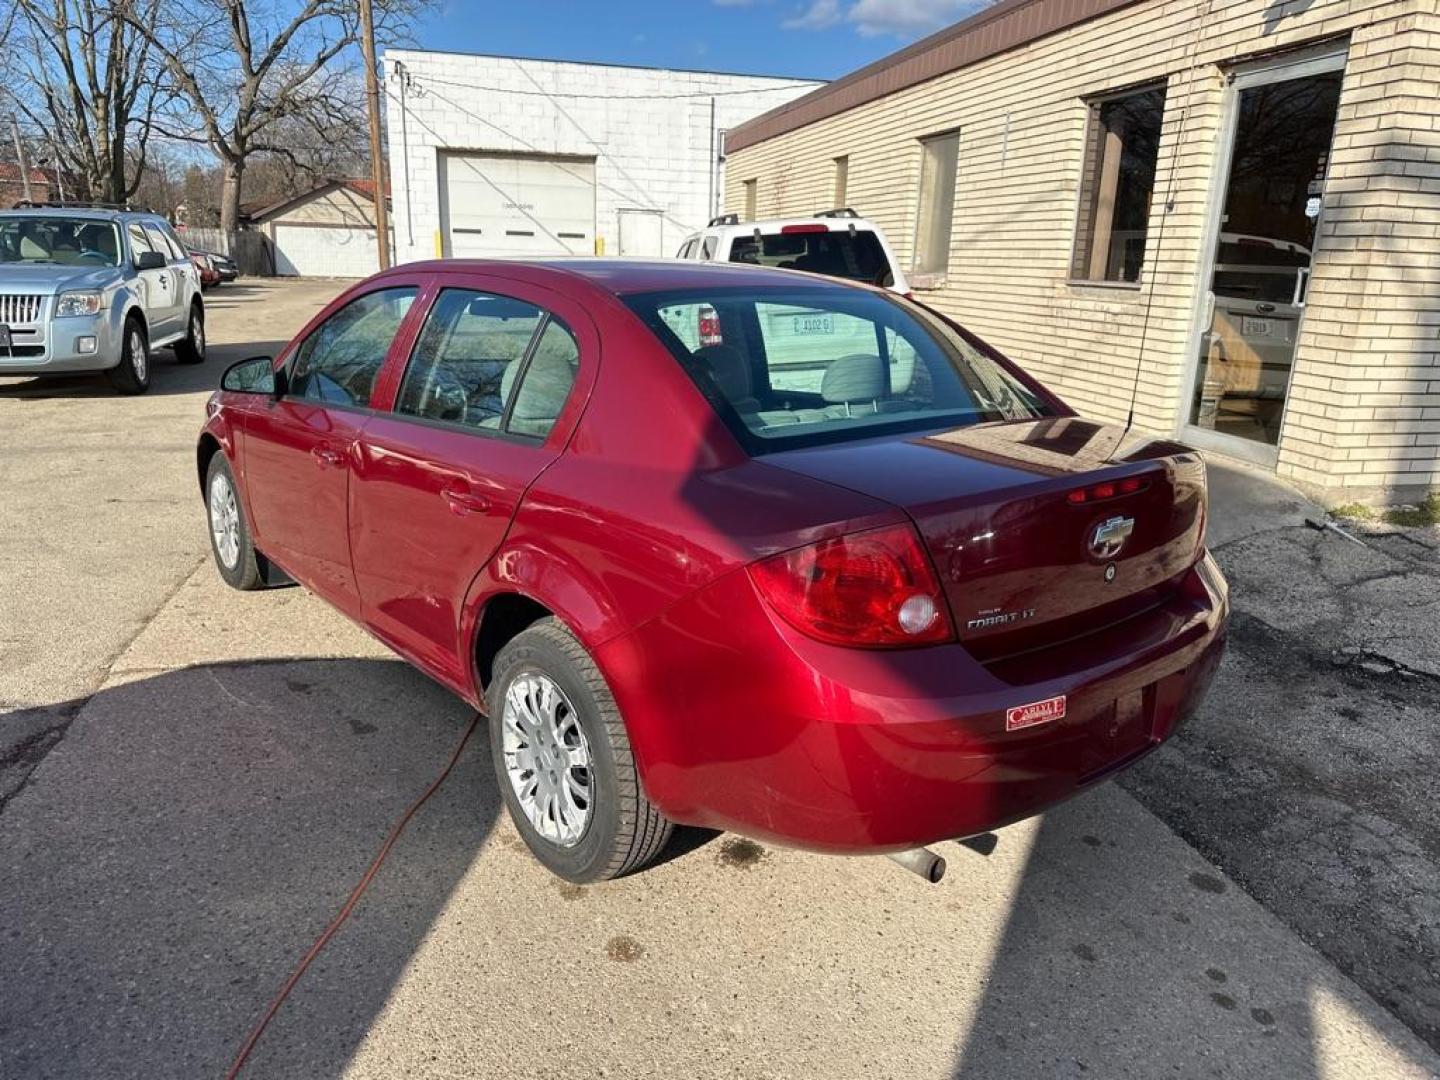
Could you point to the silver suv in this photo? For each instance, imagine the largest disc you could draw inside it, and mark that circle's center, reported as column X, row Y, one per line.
column 95, row 290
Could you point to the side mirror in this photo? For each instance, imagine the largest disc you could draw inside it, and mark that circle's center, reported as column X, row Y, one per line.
column 257, row 375
column 149, row 260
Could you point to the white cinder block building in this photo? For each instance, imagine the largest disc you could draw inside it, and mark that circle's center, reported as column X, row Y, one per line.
column 497, row 156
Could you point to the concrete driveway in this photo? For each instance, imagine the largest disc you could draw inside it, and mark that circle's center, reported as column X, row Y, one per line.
column 192, row 780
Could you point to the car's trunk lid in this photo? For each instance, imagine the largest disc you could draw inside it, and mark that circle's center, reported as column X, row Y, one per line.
column 1024, row 559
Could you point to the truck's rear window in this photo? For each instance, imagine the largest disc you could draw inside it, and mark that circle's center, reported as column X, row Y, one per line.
column 855, row 255
column 785, row 368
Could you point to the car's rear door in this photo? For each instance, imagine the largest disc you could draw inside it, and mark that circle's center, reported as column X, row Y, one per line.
column 300, row 451
column 162, row 306
column 485, row 401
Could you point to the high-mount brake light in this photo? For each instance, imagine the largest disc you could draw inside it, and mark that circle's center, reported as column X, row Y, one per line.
column 872, row 589
column 788, row 230
column 1107, row 490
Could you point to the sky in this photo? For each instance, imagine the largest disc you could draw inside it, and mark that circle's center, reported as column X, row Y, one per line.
column 800, row 38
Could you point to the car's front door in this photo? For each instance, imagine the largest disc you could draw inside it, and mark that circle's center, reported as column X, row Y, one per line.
column 485, row 403
column 162, row 303
column 300, row 450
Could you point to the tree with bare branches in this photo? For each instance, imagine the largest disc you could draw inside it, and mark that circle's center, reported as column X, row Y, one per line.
column 87, row 88
column 259, row 78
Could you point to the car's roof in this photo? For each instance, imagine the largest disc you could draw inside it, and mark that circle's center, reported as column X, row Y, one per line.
column 93, row 212
column 621, row 276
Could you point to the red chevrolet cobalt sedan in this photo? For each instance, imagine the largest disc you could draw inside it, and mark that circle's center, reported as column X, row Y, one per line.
column 724, row 546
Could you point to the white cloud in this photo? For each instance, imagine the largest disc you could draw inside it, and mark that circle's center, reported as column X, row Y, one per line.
column 907, row 18
column 901, row 18
column 819, row 15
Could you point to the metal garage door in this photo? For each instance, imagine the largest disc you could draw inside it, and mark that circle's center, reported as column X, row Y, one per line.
column 494, row 204
column 325, row 251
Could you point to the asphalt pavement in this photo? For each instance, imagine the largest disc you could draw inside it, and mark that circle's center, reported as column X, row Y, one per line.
column 192, row 779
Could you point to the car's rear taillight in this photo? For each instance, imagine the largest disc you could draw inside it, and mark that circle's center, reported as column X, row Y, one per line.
column 708, row 325
column 872, row 589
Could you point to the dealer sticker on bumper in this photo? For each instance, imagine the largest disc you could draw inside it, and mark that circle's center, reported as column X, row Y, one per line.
column 1037, row 712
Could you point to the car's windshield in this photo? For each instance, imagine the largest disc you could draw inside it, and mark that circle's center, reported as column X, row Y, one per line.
column 786, row 368
column 855, row 254
column 66, row 241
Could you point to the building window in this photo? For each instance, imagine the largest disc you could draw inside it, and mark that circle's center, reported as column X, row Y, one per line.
column 1122, row 144
column 750, row 200
column 939, row 156
column 842, row 180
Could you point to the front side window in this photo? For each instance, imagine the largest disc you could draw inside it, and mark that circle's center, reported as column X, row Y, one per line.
column 340, row 361
column 490, row 362
column 27, row 238
column 788, row 368
column 1121, row 149
column 939, row 158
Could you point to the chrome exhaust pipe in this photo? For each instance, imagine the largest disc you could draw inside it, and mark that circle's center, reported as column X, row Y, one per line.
column 920, row 861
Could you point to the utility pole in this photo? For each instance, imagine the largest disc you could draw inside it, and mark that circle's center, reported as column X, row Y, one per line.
column 377, row 165
column 20, row 157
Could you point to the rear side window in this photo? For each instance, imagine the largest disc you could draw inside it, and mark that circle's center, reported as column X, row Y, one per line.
column 707, row 249
column 855, row 255
column 158, row 242
column 790, row 368
column 138, row 243
column 490, row 362
column 339, row 361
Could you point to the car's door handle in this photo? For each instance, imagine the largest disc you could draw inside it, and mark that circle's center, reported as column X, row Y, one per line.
column 462, row 501
column 327, row 456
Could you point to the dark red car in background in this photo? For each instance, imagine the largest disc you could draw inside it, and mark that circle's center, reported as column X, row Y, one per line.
column 723, row 546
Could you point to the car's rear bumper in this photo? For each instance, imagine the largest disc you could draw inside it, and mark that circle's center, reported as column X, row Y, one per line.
column 743, row 724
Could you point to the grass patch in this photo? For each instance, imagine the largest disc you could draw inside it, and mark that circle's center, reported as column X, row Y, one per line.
column 1427, row 512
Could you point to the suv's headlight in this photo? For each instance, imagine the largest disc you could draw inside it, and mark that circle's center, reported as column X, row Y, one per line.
column 78, row 303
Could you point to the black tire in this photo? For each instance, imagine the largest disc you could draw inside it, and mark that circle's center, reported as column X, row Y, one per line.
column 624, row 831
column 244, row 572
column 132, row 374
column 191, row 348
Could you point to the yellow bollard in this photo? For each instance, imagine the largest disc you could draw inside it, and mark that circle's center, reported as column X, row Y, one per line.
column 439, row 245
column 599, row 245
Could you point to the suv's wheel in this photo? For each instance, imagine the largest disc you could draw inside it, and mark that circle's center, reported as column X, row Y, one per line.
column 235, row 555
column 132, row 374
column 563, row 760
column 191, row 348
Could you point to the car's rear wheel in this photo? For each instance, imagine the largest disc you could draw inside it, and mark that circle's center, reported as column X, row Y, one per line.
column 235, row 555
column 563, row 760
column 191, row 348
column 132, row 374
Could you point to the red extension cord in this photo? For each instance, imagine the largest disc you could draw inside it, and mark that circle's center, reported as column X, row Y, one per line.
column 344, row 913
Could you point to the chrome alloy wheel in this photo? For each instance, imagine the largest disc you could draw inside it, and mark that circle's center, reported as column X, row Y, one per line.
column 547, row 758
column 225, row 520
column 139, row 358
column 197, row 333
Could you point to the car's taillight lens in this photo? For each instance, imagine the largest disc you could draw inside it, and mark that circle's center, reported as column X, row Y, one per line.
column 872, row 589
column 708, row 325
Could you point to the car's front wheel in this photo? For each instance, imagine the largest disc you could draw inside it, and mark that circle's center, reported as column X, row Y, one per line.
column 235, row 555
column 191, row 348
column 563, row 760
column 132, row 374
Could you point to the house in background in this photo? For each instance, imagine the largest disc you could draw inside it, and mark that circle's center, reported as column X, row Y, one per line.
column 494, row 155
column 12, row 187
column 1225, row 215
column 328, row 231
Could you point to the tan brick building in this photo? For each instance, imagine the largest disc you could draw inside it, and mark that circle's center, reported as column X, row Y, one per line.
column 1252, row 187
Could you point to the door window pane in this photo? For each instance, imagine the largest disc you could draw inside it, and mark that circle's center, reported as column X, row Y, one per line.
column 339, row 362
column 1115, row 189
column 138, row 243
column 939, row 157
column 545, row 382
column 158, row 241
column 465, row 364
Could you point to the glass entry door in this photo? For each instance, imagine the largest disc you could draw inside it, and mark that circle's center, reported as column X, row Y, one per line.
column 1280, row 130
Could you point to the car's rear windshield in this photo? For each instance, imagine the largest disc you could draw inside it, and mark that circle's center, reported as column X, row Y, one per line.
column 856, row 255
column 66, row 241
column 792, row 367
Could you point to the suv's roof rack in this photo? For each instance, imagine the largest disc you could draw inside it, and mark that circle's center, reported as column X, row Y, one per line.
column 77, row 204
column 724, row 219
column 839, row 211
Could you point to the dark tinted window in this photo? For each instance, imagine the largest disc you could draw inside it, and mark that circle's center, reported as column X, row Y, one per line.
column 340, row 360
column 1117, row 185
column 857, row 256
column 479, row 354
column 786, row 368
